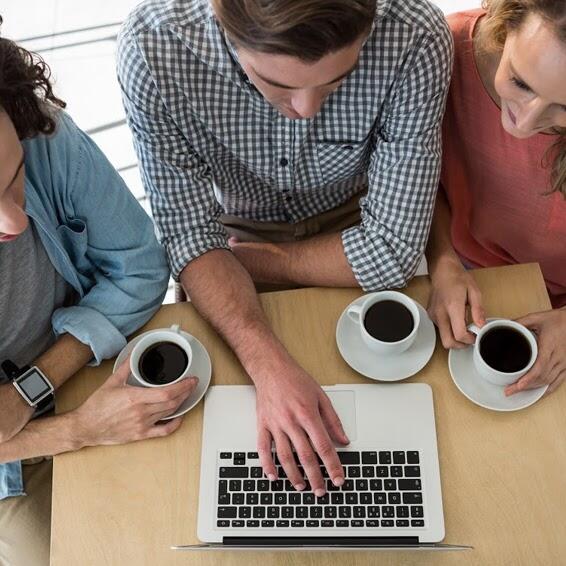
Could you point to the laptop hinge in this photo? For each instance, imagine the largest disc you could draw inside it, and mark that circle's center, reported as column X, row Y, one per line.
column 321, row 541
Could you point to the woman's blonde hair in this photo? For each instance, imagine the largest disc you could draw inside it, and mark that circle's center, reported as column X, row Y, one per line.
column 504, row 16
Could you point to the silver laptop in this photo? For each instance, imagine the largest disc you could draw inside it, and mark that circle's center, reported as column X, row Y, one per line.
column 391, row 498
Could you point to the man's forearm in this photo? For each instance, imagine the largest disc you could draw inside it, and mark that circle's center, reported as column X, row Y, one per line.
column 223, row 292
column 65, row 358
column 42, row 437
column 319, row 261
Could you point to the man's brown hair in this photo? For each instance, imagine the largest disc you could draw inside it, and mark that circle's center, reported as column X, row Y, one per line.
column 306, row 29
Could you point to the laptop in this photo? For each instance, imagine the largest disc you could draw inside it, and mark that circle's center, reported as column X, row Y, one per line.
column 391, row 498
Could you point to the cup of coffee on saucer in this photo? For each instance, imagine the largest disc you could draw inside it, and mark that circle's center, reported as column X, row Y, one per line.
column 388, row 321
column 504, row 351
column 161, row 358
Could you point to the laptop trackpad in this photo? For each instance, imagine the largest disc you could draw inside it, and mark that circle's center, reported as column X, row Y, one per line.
column 344, row 403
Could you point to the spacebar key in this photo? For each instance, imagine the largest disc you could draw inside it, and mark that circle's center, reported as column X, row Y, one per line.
column 235, row 472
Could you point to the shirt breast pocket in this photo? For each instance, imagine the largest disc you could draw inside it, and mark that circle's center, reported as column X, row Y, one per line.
column 74, row 238
column 339, row 160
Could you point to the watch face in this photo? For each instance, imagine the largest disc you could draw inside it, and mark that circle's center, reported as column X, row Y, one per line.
column 33, row 386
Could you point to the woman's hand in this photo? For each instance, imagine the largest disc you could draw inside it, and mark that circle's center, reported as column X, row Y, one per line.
column 550, row 367
column 453, row 290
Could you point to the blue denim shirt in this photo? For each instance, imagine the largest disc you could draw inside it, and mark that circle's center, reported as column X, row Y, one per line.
column 101, row 242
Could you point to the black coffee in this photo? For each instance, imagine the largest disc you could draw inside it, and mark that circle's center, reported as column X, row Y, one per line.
column 505, row 349
column 389, row 321
column 163, row 362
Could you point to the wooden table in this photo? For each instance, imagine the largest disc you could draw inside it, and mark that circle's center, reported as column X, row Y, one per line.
column 503, row 474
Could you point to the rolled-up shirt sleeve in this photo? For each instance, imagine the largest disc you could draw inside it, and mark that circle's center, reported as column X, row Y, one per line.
column 177, row 180
column 384, row 251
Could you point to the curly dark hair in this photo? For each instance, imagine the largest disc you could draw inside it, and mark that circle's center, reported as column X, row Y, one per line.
column 26, row 94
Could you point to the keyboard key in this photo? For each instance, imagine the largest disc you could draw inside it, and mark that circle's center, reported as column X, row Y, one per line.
column 324, row 500
column 342, row 523
column 327, row 523
column 222, row 523
column 353, row 472
column 330, row 512
column 390, row 485
column 324, row 472
column 238, row 524
column 298, row 524
column 412, row 458
column 288, row 512
column 239, row 461
column 281, row 523
column 402, row 523
column 244, row 512
column 280, row 499
column 348, row 485
column 369, row 457
column 258, row 512
column 396, row 471
column 337, row 498
column 361, row 485
column 379, row 498
column 252, row 524
column 239, row 455
column 382, row 471
column 308, row 498
column 331, row 487
column 417, row 512
column 349, row 458
column 267, row 523
column 263, row 485
column 375, row 485
column 256, row 472
column 412, row 471
column 223, row 499
column 385, row 458
column 289, row 486
column 277, row 485
column 417, row 523
column 266, row 498
column 227, row 512
column 359, row 512
column 230, row 472
column 373, row 511
column 295, row 498
column 344, row 512
column 312, row 523
column 253, row 456
column 301, row 512
column 394, row 498
column 387, row 523
column 225, row 455
column 222, row 486
column 368, row 471
column 351, row 498
column 316, row 512
column 249, row 485
column 366, row 498
column 238, row 499
column 273, row 512
column 356, row 523
column 398, row 457
column 387, row 511
column 402, row 511
column 410, row 485
column 252, row 499
column 372, row 523
column 235, row 485
column 412, row 498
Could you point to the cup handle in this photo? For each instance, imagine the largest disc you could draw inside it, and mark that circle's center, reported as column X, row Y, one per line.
column 474, row 329
column 354, row 312
column 175, row 328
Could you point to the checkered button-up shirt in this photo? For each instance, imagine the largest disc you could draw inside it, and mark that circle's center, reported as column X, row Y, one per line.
column 209, row 143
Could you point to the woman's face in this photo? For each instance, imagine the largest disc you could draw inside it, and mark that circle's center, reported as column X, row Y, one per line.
column 13, row 219
column 531, row 80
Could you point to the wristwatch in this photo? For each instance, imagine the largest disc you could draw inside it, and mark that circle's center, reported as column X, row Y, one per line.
column 31, row 383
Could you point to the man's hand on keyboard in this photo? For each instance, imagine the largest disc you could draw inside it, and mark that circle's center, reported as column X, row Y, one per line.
column 295, row 413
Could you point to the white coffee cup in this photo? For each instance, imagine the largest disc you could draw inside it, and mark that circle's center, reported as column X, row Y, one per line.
column 358, row 313
column 484, row 369
column 173, row 335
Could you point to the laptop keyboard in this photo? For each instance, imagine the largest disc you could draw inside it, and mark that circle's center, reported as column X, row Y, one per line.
column 381, row 490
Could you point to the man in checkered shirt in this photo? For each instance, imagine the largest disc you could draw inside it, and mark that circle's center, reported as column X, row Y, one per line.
column 269, row 120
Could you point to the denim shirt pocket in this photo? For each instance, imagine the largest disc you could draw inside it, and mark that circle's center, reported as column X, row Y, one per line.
column 11, row 480
column 74, row 237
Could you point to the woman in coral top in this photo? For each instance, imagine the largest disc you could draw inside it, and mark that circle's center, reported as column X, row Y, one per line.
column 503, row 185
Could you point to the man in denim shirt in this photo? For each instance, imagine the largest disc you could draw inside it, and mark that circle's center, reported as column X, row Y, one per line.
column 80, row 269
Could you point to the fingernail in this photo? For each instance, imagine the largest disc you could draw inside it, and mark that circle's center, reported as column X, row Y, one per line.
column 271, row 477
column 319, row 492
column 300, row 486
column 338, row 481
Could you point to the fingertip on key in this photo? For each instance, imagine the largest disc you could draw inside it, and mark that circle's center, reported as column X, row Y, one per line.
column 320, row 492
column 338, row 481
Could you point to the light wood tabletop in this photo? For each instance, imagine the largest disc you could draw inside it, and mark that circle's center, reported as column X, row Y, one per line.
column 503, row 474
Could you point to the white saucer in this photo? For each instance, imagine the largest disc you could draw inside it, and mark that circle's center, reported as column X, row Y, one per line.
column 480, row 391
column 384, row 368
column 201, row 367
